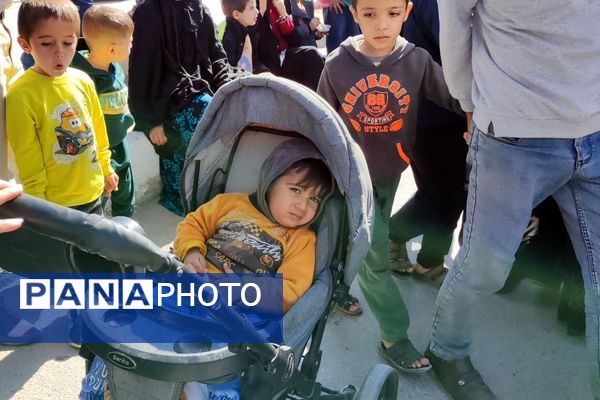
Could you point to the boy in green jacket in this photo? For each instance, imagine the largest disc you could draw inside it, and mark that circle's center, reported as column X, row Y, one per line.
column 107, row 32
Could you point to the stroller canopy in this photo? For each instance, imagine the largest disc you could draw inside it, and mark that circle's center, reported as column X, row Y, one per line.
column 282, row 105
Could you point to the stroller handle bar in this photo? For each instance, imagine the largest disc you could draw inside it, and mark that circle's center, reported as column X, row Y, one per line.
column 91, row 233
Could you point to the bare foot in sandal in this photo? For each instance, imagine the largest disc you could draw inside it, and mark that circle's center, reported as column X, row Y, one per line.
column 403, row 356
column 349, row 305
column 423, row 362
column 400, row 264
column 434, row 275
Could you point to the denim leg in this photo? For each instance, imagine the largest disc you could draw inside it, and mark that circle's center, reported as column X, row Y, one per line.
column 508, row 178
column 579, row 202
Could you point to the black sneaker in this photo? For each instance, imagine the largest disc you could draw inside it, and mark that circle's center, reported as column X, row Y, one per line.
column 459, row 378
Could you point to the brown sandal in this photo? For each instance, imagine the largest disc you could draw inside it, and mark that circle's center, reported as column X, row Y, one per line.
column 434, row 275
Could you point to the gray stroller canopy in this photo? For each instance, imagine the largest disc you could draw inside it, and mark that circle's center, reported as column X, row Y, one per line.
column 280, row 104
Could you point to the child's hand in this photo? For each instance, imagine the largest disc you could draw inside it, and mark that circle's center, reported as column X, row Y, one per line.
column 320, row 35
column 467, row 137
column 227, row 268
column 157, row 135
column 314, row 24
column 335, row 6
column 467, row 134
column 111, row 183
column 196, row 260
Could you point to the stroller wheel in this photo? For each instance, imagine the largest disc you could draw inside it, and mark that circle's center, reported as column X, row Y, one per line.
column 380, row 383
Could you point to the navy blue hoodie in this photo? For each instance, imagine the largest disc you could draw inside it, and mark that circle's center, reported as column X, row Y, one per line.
column 379, row 104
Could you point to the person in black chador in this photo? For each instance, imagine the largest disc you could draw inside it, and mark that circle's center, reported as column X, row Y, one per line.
column 176, row 64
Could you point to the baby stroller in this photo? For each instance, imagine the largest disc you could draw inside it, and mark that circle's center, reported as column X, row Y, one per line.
column 246, row 120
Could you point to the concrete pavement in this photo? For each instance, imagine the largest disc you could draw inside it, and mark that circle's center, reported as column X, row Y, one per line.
column 520, row 347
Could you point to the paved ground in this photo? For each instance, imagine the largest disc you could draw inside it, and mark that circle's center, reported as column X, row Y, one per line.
column 520, row 347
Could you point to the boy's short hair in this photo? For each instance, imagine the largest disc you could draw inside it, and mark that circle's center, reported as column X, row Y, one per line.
column 32, row 12
column 317, row 174
column 103, row 22
column 229, row 6
column 355, row 3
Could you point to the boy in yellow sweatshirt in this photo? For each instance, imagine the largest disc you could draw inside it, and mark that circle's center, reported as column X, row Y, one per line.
column 267, row 231
column 54, row 121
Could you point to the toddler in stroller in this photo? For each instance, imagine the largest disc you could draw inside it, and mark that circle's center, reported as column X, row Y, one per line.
column 231, row 142
column 265, row 232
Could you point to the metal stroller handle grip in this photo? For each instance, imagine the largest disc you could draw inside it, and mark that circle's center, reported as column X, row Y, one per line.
column 91, row 233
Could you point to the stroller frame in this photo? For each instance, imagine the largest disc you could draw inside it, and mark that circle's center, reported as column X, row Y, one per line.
column 275, row 365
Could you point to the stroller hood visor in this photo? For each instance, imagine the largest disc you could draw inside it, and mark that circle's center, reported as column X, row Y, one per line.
column 278, row 104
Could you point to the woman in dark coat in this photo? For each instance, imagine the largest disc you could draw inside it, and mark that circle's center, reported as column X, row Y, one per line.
column 175, row 66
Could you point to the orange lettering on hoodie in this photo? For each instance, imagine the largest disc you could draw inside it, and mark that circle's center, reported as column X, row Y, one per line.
column 368, row 107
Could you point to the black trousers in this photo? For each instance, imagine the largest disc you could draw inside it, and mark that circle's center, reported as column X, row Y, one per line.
column 546, row 253
column 27, row 251
column 438, row 161
column 303, row 65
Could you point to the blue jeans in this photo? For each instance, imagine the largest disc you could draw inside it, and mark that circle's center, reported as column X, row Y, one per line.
column 508, row 178
column 342, row 26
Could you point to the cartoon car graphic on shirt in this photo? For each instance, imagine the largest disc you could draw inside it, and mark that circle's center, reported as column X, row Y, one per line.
column 74, row 136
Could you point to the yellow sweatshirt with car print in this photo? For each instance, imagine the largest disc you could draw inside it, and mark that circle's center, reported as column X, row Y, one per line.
column 230, row 229
column 57, row 132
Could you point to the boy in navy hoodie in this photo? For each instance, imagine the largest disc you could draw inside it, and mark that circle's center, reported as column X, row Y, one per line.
column 376, row 81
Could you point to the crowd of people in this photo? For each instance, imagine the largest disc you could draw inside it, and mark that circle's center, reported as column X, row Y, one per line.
column 515, row 85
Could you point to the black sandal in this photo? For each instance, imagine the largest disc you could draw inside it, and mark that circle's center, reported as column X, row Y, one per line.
column 345, row 304
column 460, row 378
column 402, row 355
